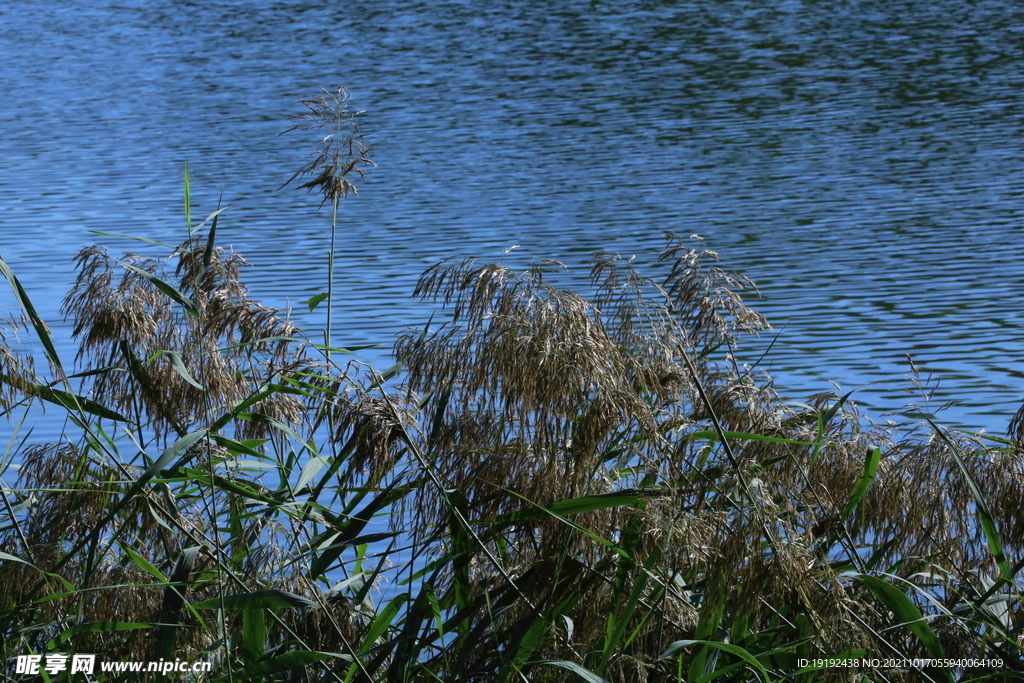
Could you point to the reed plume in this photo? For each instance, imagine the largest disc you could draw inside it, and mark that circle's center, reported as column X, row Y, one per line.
column 342, row 154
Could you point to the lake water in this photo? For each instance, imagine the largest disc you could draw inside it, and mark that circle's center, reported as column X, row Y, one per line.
column 861, row 161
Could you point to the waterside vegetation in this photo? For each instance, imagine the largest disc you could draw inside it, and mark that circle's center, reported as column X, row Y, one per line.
column 547, row 487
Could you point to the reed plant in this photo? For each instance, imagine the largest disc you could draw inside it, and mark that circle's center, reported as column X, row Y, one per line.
column 547, row 486
column 341, row 155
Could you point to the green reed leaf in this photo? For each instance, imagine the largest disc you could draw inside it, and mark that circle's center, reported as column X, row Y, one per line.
column 65, row 399
column 188, row 202
column 576, row 506
column 678, row 646
column 179, row 367
column 175, row 450
column 142, row 563
column 310, row 470
column 620, row 618
column 383, row 621
column 213, row 217
column 905, row 611
column 210, row 239
column 25, row 303
column 171, row 293
column 863, row 483
column 988, row 523
column 241, row 487
column 132, row 237
column 314, row 301
column 582, row 672
column 834, row 408
column 94, row 627
column 7, row 557
column 265, row 599
column 254, row 634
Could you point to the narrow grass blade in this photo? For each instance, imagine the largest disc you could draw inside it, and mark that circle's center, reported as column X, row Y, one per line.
column 240, row 487
column 7, row 557
column 96, row 626
column 352, row 529
column 328, row 555
column 904, row 610
column 212, row 236
column 21, row 296
column 65, row 399
column 408, row 645
column 265, row 599
column 569, row 523
column 174, row 601
column 461, row 548
column 383, row 622
column 179, row 367
column 176, row 449
column 143, row 563
column 707, row 625
column 863, row 483
column 188, row 202
column 620, row 619
column 988, row 524
column 676, row 647
column 239, row 448
column 131, row 237
column 834, row 408
column 171, row 293
column 213, row 216
column 580, row 505
column 435, row 608
column 582, row 672
column 521, row 645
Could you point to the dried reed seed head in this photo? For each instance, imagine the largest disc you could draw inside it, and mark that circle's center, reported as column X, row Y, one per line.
column 626, row 669
column 106, row 309
column 519, row 337
column 222, row 274
column 69, row 490
column 1015, row 429
column 707, row 301
column 342, row 151
column 1002, row 480
column 114, row 315
column 548, row 371
column 380, row 427
column 17, row 365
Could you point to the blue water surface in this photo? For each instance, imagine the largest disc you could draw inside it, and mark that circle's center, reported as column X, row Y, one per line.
column 860, row 160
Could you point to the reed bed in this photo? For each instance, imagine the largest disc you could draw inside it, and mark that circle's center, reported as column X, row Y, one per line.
column 546, row 487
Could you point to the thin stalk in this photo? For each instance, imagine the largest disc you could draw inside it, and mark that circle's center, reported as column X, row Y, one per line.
column 330, row 279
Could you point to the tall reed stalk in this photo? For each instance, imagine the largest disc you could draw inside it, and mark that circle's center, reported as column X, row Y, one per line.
column 341, row 153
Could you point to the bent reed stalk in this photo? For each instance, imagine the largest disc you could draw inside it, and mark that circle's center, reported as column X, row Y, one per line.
column 552, row 488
